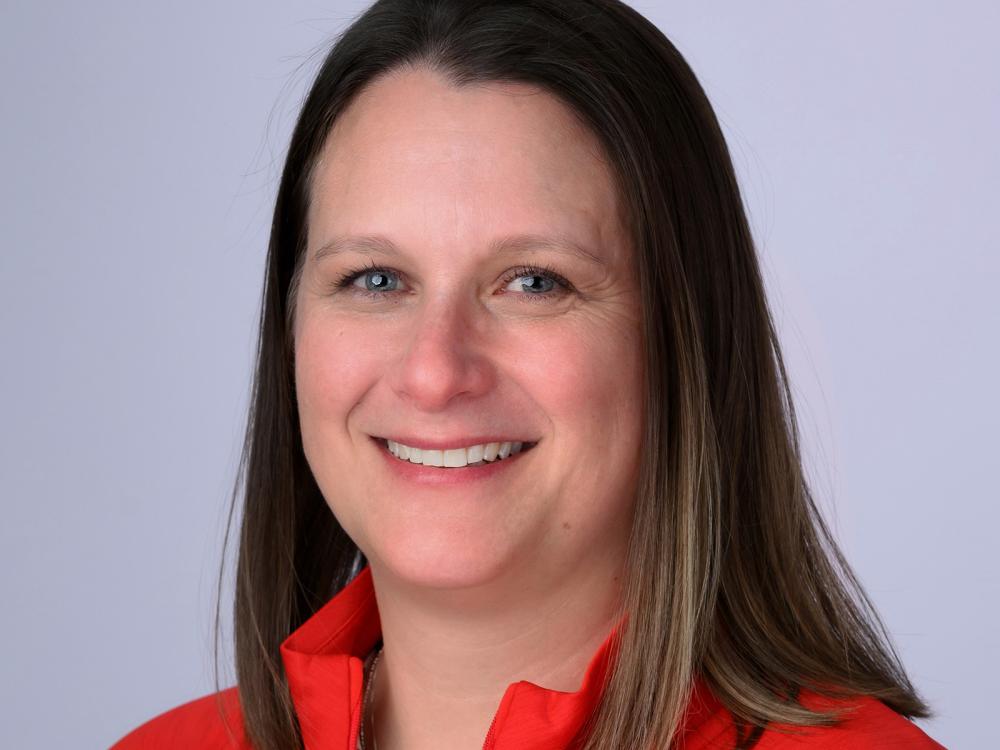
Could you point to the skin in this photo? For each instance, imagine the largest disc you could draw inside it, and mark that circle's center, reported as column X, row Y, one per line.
column 482, row 584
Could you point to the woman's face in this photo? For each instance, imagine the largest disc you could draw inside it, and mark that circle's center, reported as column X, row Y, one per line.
column 464, row 200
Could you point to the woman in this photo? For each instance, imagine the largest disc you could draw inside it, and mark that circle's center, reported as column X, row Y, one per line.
column 522, row 468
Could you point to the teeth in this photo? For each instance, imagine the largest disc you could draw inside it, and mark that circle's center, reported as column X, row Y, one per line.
column 455, row 458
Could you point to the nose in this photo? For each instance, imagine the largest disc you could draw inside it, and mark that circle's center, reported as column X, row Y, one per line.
column 445, row 356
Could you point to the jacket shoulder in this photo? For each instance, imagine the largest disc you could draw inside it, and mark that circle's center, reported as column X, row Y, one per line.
column 867, row 723
column 212, row 722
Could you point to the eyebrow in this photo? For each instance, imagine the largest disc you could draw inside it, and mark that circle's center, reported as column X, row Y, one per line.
column 559, row 243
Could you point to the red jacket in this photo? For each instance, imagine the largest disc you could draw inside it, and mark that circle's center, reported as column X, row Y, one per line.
column 323, row 660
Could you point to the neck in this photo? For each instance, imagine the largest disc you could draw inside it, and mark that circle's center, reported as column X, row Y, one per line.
column 449, row 655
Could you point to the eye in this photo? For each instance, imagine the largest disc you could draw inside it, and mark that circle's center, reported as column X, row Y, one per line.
column 527, row 282
column 375, row 281
column 535, row 282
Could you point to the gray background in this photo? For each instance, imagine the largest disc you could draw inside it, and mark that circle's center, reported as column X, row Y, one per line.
column 141, row 148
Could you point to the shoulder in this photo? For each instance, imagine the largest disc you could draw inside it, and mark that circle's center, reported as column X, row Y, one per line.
column 212, row 722
column 869, row 723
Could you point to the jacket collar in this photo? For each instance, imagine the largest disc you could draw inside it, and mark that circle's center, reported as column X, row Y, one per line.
column 324, row 658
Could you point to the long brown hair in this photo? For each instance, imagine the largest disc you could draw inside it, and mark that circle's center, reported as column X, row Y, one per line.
column 732, row 573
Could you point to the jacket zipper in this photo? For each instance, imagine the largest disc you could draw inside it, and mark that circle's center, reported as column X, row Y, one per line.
column 355, row 722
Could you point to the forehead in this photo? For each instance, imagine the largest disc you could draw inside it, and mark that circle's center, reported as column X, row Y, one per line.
column 415, row 155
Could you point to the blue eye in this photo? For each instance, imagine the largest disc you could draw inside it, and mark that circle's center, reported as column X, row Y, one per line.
column 547, row 283
column 376, row 281
column 542, row 283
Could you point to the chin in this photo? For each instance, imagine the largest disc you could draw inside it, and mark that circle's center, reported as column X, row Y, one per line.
column 442, row 558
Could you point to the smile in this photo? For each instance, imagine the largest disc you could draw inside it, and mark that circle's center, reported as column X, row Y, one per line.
column 456, row 458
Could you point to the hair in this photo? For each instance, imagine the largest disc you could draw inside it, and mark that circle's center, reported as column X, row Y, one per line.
column 732, row 574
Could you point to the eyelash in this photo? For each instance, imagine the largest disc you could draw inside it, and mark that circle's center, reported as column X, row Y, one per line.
column 563, row 286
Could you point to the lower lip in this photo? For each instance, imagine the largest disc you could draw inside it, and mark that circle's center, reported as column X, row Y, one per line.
column 436, row 475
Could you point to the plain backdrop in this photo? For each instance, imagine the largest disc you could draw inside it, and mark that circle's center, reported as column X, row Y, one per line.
column 141, row 145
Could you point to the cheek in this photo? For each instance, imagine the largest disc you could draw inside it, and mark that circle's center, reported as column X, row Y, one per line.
column 589, row 383
column 590, row 386
column 334, row 366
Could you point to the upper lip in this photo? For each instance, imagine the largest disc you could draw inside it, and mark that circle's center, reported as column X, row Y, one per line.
column 458, row 442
